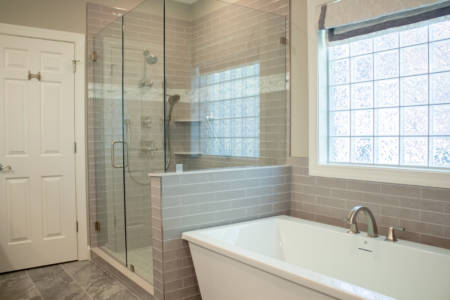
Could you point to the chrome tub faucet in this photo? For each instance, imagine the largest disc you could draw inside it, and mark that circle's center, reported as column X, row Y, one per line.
column 372, row 230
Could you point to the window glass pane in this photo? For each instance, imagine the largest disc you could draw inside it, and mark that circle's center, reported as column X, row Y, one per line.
column 339, row 71
column 362, row 150
column 414, row 151
column 362, row 122
column 414, row 36
column 440, row 56
column 340, row 123
column 385, row 42
column 361, row 47
column 386, row 93
column 340, row 51
column 414, row 90
column 362, row 68
column 440, row 88
column 440, row 116
column 414, row 60
column 386, row 121
column 387, row 151
column 440, row 31
column 440, row 153
column 386, row 64
column 340, row 97
column 362, row 95
column 414, row 120
column 340, row 149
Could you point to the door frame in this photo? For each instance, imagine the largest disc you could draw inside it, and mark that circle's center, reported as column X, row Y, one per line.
column 79, row 41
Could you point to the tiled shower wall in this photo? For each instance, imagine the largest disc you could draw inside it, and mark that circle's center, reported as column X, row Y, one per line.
column 423, row 211
column 230, row 37
column 187, row 201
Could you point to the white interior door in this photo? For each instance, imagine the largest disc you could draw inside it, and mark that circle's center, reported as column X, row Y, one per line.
column 37, row 196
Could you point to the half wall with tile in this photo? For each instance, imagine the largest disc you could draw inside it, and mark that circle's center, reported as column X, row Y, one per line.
column 200, row 199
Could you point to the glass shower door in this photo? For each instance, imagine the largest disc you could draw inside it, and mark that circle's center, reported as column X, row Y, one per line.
column 108, row 135
column 143, row 103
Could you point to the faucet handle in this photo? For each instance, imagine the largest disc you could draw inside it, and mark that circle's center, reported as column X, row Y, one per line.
column 391, row 236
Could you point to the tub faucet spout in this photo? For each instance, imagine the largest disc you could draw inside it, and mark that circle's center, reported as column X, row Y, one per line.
column 372, row 230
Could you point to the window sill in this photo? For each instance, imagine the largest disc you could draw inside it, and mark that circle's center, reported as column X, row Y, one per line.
column 410, row 176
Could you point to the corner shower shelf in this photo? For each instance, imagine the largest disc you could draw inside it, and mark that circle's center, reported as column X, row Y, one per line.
column 188, row 153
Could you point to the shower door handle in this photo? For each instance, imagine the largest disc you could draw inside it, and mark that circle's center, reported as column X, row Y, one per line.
column 113, row 155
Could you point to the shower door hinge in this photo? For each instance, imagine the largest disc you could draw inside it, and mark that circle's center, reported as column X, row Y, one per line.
column 74, row 65
column 74, row 147
column 97, row 226
column 76, row 226
column 93, row 56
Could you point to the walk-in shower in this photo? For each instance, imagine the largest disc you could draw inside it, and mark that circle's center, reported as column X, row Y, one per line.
column 200, row 84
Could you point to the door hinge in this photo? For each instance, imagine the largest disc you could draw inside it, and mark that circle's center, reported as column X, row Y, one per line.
column 74, row 147
column 76, row 226
column 74, row 64
column 97, row 226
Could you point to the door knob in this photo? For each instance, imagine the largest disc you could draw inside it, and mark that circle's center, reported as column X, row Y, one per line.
column 5, row 168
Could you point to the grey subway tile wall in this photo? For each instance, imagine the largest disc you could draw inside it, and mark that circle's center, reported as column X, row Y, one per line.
column 423, row 211
column 200, row 199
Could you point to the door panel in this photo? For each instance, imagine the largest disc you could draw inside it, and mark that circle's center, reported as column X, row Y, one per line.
column 37, row 139
column 18, row 200
column 16, row 117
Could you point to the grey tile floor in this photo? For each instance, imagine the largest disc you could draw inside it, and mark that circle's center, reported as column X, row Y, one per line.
column 74, row 280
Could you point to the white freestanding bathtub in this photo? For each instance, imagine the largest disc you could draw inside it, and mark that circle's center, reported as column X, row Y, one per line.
column 284, row 258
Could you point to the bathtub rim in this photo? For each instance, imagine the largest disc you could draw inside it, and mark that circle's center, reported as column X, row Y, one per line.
column 297, row 274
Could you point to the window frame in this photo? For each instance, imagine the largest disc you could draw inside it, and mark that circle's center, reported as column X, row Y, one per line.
column 318, row 129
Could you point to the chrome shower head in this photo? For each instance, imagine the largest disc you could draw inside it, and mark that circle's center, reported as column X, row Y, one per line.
column 149, row 57
column 173, row 99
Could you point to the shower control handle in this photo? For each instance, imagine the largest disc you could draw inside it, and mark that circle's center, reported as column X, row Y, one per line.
column 113, row 154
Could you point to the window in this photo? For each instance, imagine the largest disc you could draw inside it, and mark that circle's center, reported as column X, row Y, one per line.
column 229, row 110
column 389, row 98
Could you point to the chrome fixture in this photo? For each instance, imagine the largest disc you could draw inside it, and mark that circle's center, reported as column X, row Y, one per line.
column 172, row 100
column 37, row 76
column 149, row 59
column 5, row 168
column 391, row 235
column 372, row 229
column 113, row 155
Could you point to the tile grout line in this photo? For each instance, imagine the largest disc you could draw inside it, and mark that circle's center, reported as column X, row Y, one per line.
column 34, row 284
column 75, row 281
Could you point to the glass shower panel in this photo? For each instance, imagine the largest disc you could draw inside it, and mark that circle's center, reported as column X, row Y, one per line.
column 143, row 125
column 228, row 64
column 108, row 132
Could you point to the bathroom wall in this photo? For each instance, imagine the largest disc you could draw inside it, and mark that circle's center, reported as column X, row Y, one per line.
column 65, row 15
column 423, row 211
column 199, row 199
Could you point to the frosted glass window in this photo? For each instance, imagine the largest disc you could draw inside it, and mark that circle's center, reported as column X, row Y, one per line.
column 230, row 110
column 389, row 98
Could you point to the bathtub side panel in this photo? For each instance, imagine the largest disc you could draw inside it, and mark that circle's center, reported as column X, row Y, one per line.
column 223, row 278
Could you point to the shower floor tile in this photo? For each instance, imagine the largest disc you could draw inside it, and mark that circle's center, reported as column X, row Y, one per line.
column 140, row 258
